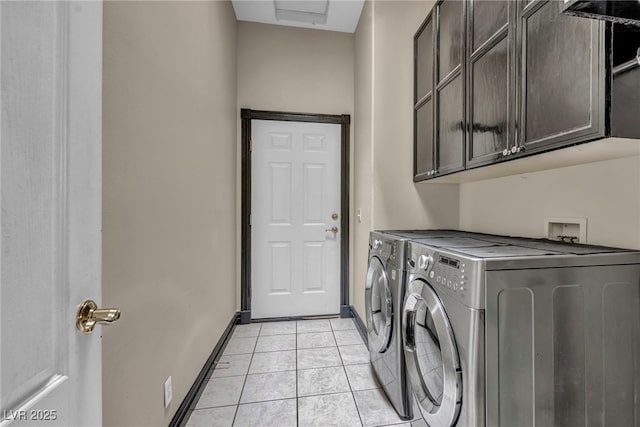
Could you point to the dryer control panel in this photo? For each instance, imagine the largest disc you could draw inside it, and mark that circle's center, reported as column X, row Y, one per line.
column 388, row 248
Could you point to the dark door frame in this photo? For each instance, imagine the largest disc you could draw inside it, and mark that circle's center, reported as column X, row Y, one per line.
column 344, row 120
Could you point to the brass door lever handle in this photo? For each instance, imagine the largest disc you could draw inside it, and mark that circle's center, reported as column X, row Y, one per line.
column 89, row 315
column 333, row 229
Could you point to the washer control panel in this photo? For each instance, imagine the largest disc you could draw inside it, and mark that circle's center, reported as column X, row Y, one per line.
column 449, row 272
column 444, row 271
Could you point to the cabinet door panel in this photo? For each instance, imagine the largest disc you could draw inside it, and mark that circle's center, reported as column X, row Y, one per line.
column 424, row 140
column 451, row 126
column 451, row 36
column 491, row 80
column 424, row 61
column 489, row 103
column 488, row 17
column 562, row 78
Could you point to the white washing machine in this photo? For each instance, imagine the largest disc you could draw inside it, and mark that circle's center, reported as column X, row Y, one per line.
column 522, row 332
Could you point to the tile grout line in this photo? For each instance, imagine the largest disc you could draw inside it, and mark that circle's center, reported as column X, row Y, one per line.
column 305, row 348
column 269, row 372
column 348, row 381
column 279, row 399
column 246, row 377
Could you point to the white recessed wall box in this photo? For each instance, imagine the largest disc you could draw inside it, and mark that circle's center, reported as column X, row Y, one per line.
column 570, row 230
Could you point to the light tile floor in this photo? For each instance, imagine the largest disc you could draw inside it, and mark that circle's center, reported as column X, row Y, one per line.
column 296, row 373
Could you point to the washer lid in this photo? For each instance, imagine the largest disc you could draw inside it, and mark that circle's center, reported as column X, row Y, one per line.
column 568, row 248
column 551, row 245
column 503, row 251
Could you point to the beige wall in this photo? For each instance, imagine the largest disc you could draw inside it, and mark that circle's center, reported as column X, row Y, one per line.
column 169, row 152
column 397, row 202
column 293, row 70
column 363, row 153
column 384, row 188
column 606, row 193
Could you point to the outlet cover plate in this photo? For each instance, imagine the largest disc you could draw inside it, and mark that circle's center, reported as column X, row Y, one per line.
column 168, row 393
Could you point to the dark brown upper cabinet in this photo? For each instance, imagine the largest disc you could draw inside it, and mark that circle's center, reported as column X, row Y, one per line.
column 491, row 80
column 424, row 150
column 450, row 86
column 517, row 78
column 625, row 81
column 579, row 79
column 439, row 76
column 562, row 78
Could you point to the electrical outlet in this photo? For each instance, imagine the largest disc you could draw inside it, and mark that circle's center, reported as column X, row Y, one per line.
column 168, row 394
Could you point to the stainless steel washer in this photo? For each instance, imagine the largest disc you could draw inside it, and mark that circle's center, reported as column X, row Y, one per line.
column 523, row 332
column 384, row 293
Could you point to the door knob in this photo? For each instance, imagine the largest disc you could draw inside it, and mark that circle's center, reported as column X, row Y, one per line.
column 89, row 315
column 333, row 229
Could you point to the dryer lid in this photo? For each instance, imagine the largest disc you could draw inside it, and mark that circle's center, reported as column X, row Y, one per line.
column 454, row 242
column 421, row 234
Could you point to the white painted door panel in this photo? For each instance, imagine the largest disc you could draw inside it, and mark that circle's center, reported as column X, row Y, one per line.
column 50, row 195
column 295, row 262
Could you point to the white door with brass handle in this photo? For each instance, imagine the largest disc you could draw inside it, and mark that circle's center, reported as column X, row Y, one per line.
column 295, row 205
column 50, row 158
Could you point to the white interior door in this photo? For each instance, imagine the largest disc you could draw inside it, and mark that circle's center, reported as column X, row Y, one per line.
column 50, row 193
column 295, row 202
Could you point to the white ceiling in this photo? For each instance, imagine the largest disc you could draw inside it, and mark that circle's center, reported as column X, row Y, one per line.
column 331, row 15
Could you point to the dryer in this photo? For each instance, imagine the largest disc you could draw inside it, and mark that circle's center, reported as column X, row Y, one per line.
column 384, row 291
column 522, row 332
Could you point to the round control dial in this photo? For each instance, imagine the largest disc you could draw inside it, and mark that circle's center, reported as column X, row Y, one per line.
column 424, row 261
column 377, row 244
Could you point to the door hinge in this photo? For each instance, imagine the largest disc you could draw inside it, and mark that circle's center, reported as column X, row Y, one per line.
column 250, row 145
column 249, row 292
column 249, row 220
